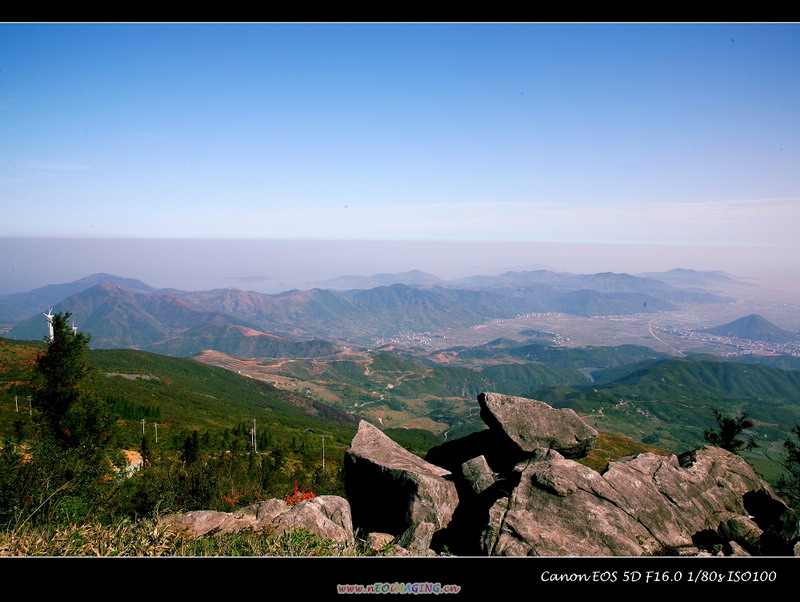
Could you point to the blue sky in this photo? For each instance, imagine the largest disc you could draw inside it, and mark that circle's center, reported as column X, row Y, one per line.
column 669, row 134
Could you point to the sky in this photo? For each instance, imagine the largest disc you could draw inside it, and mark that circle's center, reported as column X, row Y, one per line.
column 623, row 134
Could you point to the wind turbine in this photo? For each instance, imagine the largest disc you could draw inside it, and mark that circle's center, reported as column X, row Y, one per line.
column 49, row 316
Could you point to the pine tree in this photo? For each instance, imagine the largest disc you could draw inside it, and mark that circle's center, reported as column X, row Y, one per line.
column 727, row 433
column 75, row 427
column 59, row 372
column 191, row 448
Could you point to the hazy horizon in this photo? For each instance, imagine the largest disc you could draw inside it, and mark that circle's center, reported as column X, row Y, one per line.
column 271, row 266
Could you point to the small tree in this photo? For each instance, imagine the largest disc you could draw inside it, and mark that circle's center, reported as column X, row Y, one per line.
column 144, row 451
column 191, row 448
column 789, row 484
column 726, row 435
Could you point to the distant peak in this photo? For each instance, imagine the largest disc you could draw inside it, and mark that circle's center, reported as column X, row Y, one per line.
column 754, row 327
column 120, row 281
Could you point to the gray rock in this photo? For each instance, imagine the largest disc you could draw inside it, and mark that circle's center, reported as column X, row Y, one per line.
column 638, row 506
column 500, row 452
column 327, row 516
column 203, row 522
column 532, row 424
column 478, row 474
column 378, row 542
column 391, row 489
column 395, row 550
column 417, row 539
column 268, row 511
column 743, row 531
column 737, row 550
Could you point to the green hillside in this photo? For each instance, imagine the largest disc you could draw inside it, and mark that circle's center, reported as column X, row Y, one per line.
column 179, row 393
column 669, row 403
column 506, row 350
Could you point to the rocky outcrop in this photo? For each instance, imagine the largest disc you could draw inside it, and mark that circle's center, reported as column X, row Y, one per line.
column 520, row 492
column 391, row 490
column 509, row 490
column 638, row 506
column 327, row 516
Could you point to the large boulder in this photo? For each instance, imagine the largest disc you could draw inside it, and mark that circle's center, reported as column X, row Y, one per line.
column 390, row 489
column 531, row 424
column 640, row 505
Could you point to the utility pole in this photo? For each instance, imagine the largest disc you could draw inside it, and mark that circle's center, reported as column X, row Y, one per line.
column 155, row 425
column 323, row 451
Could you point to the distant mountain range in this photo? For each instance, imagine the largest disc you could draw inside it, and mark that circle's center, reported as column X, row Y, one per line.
column 622, row 286
column 123, row 312
column 344, row 283
column 691, row 278
column 755, row 328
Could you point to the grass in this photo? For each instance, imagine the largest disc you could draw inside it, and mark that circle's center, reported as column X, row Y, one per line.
column 611, row 447
column 149, row 538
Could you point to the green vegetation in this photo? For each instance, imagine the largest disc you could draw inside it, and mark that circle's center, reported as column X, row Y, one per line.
column 417, row 441
column 67, row 415
column 611, row 446
column 395, row 388
column 60, row 459
column 789, row 483
column 71, row 430
column 544, row 352
column 670, row 403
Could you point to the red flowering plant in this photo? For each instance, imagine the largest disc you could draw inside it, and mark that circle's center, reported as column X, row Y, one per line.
column 243, row 498
column 298, row 495
column 232, row 497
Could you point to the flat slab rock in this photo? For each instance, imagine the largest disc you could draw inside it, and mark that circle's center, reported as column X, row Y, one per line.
column 390, row 489
column 638, row 506
column 326, row 515
column 532, row 424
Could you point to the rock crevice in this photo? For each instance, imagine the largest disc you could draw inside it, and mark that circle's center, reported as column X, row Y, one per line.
column 519, row 491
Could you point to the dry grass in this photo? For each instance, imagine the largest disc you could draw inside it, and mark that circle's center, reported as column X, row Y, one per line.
column 148, row 538
column 612, row 446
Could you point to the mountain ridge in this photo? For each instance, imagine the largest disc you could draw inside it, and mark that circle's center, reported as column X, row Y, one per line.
column 356, row 316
